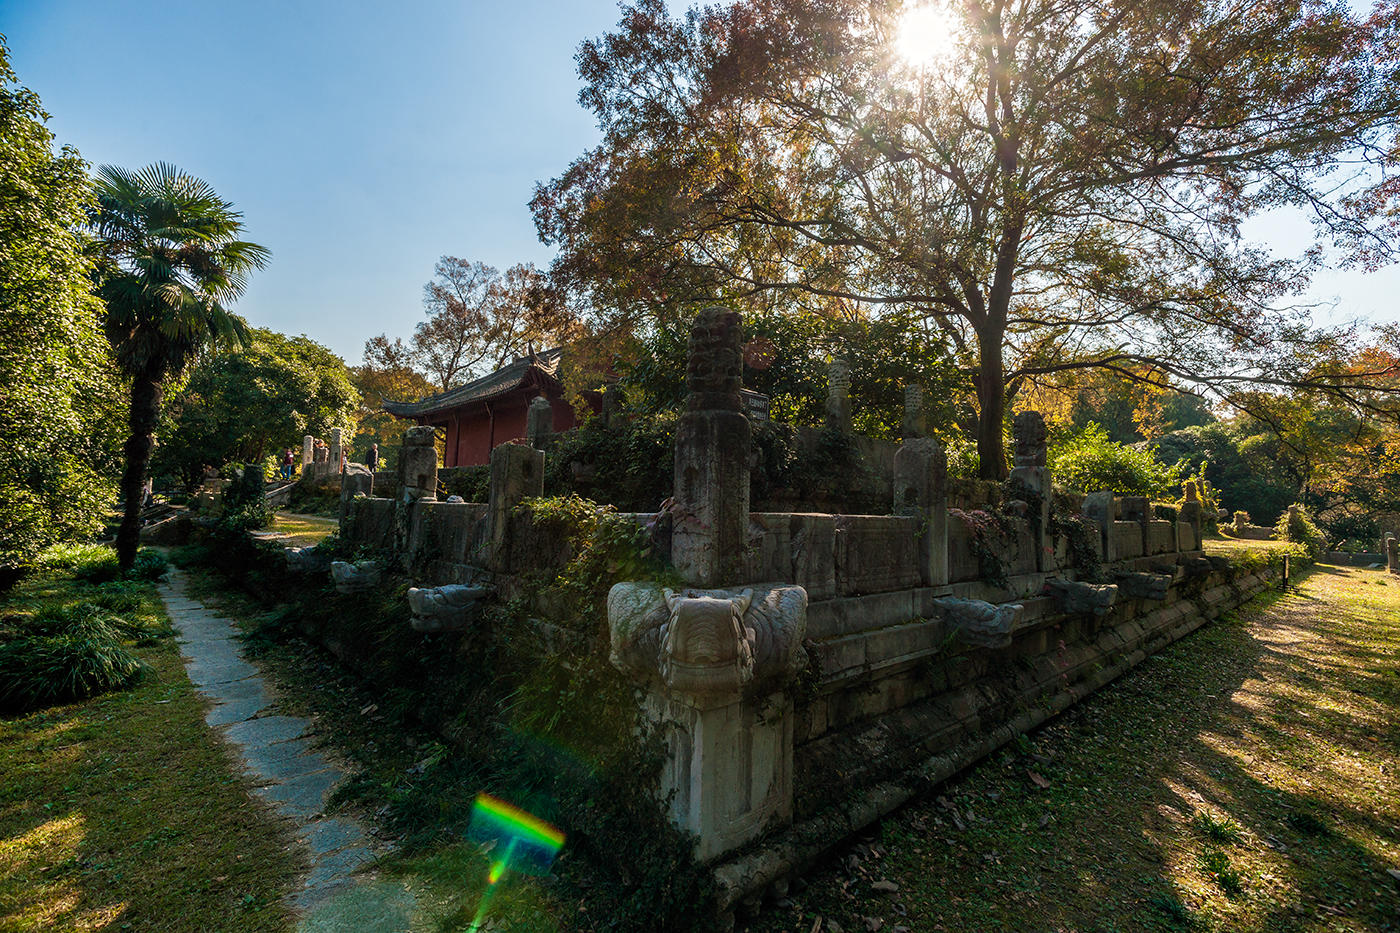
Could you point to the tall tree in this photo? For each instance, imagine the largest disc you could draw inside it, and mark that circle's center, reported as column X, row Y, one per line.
column 170, row 262
column 388, row 373
column 479, row 319
column 56, row 460
column 244, row 404
column 1056, row 185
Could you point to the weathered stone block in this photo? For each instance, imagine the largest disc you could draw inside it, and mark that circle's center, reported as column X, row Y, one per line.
column 517, row 473
column 1125, row 540
column 921, row 491
column 716, row 662
column 451, row 608
column 813, row 542
column 875, row 553
column 1160, row 537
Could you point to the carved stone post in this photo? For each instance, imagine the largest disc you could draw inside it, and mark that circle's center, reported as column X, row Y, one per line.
column 838, row 394
column 1102, row 508
column 539, row 422
column 715, row 663
column 915, row 424
column 337, row 450
column 308, row 457
column 1030, row 470
column 418, row 466
column 712, row 455
column 1190, row 514
column 1392, row 553
column 921, row 491
column 517, row 473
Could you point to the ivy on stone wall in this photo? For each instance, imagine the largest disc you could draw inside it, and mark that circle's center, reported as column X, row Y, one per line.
column 989, row 536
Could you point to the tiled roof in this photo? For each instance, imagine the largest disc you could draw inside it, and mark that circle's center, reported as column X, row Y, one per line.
column 493, row 385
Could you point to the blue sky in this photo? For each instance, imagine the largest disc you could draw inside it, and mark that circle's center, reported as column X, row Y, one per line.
column 363, row 140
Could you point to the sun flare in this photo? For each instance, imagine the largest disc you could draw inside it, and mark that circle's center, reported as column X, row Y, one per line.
column 925, row 33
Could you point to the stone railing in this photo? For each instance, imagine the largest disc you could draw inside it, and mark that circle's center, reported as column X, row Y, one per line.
column 816, row 668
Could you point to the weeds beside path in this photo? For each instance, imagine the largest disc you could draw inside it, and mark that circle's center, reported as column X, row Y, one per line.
column 1245, row 779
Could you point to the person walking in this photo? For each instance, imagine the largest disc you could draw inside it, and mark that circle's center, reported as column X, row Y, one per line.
column 372, row 458
column 288, row 460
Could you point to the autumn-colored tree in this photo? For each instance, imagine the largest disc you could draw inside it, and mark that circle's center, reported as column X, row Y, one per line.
column 387, row 374
column 478, row 320
column 1056, row 186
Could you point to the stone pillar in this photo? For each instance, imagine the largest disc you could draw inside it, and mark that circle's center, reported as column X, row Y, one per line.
column 915, row 424
column 710, row 531
column 308, row 456
column 714, row 664
column 1030, row 470
column 539, row 422
column 517, row 473
column 337, row 450
column 921, row 491
column 418, row 465
column 838, row 394
column 1392, row 553
column 355, row 481
column 1102, row 508
column 1190, row 514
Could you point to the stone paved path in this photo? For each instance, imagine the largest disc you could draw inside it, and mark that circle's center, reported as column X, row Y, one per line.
column 289, row 773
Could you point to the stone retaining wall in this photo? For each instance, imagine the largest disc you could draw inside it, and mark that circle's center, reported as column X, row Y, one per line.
column 875, row 733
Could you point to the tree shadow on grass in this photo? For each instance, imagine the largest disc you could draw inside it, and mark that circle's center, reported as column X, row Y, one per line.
column 1277, row 724
column 124, row 810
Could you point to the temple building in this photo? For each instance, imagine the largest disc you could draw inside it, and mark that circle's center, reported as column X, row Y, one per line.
column 490, row 411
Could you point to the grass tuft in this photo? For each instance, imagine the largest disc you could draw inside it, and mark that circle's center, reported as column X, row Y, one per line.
column 1219, row 828
column 1170, row 907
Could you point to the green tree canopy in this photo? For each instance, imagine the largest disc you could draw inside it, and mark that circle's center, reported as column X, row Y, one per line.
column 247, row 403
column 57, row 458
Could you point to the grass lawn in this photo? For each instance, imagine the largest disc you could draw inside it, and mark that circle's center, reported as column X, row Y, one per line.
column 303, row 529
column 122, row 812
column 1229, row 546
column 1245, row 779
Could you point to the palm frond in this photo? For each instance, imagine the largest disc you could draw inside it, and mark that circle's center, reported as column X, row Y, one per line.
column 171, row 260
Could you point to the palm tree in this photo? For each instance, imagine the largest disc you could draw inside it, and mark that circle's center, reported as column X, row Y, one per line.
column 169, row 262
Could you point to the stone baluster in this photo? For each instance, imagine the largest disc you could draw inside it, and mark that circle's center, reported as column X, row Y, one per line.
column 915, row 422
column 1189, row 518
column 710, row 531
column 1392, row 552
column 1030, row 470
column 838, row 394
column 418, row 466
column 337, row 450
column 1102, row 508
column 308, row 457
column 921, row 491
column 539, row 422
column 517, row 474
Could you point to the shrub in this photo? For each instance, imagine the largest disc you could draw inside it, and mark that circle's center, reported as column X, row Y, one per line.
column 472, row 483
column 1297, row 526
column 75, row 558
column 96, row 563
column 627, row 464
column 66, row 653
column 1090, row 460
